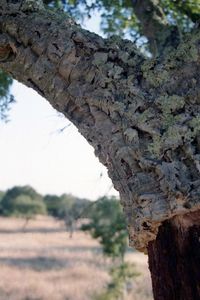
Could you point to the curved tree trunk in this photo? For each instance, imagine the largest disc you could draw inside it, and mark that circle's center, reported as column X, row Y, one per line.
column 141, row 116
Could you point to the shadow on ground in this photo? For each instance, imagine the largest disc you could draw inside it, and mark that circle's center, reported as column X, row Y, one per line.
column 32, row 230
column 46, row 263
column 39, row 263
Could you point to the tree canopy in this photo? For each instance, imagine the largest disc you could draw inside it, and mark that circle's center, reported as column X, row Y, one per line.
column 65, row 206
column 122, row 18
column 26, row 201
column 142, row 21
column 22, row 201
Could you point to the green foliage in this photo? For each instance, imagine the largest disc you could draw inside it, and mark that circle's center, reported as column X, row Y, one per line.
column 182, row 12
column 107, row 224
column 53, row 203
column 1, row 195
column 118, row 17
column 25, row 201
column 120, row 276
column 24, row 206
column 65, row 206
column 67, row 203
column 22, row 201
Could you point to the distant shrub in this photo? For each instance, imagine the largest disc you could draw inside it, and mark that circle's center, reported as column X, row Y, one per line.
column 22, row 201
column 107, row 224
column 65, row 206
column 1, row 197
column 53, row 203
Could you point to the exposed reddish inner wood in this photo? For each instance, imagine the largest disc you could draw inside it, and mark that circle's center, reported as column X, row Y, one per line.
column 174, row 259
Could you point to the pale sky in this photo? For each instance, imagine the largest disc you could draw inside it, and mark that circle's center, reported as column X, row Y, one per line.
column 33, row 151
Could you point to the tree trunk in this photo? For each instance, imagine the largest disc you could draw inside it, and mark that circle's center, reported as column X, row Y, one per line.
column 141, row 116
column 174, row 259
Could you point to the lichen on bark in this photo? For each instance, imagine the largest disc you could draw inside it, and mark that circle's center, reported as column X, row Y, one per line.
column 32, row 5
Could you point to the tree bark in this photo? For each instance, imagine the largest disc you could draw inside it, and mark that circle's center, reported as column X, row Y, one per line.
column 174, row 259
column 141, row 116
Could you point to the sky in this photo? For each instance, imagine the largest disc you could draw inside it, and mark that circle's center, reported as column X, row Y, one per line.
column 34, row 150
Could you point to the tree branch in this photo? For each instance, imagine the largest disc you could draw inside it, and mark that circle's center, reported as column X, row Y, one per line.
column 155, row 26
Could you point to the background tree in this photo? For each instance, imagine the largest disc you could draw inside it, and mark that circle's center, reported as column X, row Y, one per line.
column 71, row 209
column 151, row 24
column 53, row 203
column 22, row 202
column 140, row 114
column 67, row 208
column 107, row 224
column 1, row 197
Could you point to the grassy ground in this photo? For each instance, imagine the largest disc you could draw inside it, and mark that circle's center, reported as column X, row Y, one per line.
column 43, row 263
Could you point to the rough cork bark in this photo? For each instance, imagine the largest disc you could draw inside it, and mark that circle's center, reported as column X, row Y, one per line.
column 174, row 259
column 141, row 116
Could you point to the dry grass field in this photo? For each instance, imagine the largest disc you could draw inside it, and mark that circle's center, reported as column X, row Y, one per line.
column 43, row 263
